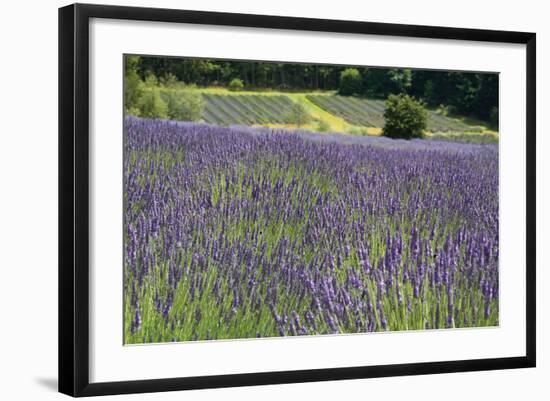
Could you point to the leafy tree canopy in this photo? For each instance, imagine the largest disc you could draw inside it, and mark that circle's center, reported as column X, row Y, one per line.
column 405, row 117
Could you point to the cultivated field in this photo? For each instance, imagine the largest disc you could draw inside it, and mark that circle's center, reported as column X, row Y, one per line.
column 245, row 109
column 340, row 114
column 256, row 232
column 370, row 113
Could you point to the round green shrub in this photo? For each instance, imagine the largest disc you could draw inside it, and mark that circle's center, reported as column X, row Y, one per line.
column 405, row 117
column 236, row 84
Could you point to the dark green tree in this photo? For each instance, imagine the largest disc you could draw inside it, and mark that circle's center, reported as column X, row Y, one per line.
column 133, row 86
column 485, row 102
column 350, row 82
column 381, row 82
column 405, row 117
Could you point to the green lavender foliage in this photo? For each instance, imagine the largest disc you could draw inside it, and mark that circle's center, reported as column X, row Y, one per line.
column 240, row 233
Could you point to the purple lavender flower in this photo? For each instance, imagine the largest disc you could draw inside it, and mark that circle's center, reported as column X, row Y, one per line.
column 262, row 232
column 136, row 322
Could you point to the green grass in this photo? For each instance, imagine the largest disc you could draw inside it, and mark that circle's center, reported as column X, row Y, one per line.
column 473, row 137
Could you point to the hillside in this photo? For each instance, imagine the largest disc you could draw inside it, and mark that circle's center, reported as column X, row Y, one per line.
column 336, row 113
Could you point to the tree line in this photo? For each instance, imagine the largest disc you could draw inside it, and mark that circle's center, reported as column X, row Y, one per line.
column 465, row 93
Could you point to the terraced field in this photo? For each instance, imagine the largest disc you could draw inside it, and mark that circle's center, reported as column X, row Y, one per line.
column 260, row 109
column 370, row 113
column 245, row 109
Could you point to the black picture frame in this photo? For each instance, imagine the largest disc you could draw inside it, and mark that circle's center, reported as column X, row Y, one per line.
column 74, row 198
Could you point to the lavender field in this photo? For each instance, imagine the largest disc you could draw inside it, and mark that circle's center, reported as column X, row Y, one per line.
column 239, row 232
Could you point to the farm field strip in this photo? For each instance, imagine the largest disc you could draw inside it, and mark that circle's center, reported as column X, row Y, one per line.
column 348, row 112
column 369, row 112
column 255, row 109
column 442, row 123
column 221, row 116
column 236, row 116
column 245, row 109
column 360, row 109
column 258, row 114
column 268, row 109
column 335, row 108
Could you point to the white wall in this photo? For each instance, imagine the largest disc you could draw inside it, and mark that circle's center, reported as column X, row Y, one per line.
column 28, row 199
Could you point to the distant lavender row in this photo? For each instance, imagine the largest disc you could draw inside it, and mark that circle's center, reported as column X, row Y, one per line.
column 443, row 143
column 240, row 232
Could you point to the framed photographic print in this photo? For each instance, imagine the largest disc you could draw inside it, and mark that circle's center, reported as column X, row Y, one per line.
column 250, row 199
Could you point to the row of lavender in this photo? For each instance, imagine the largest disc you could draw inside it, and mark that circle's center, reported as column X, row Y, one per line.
column 236, row 233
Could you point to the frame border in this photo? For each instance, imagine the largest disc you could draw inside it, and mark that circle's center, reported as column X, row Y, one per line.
column 73, row 269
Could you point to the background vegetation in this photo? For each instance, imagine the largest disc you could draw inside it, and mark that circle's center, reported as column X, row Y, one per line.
column 464, row 93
